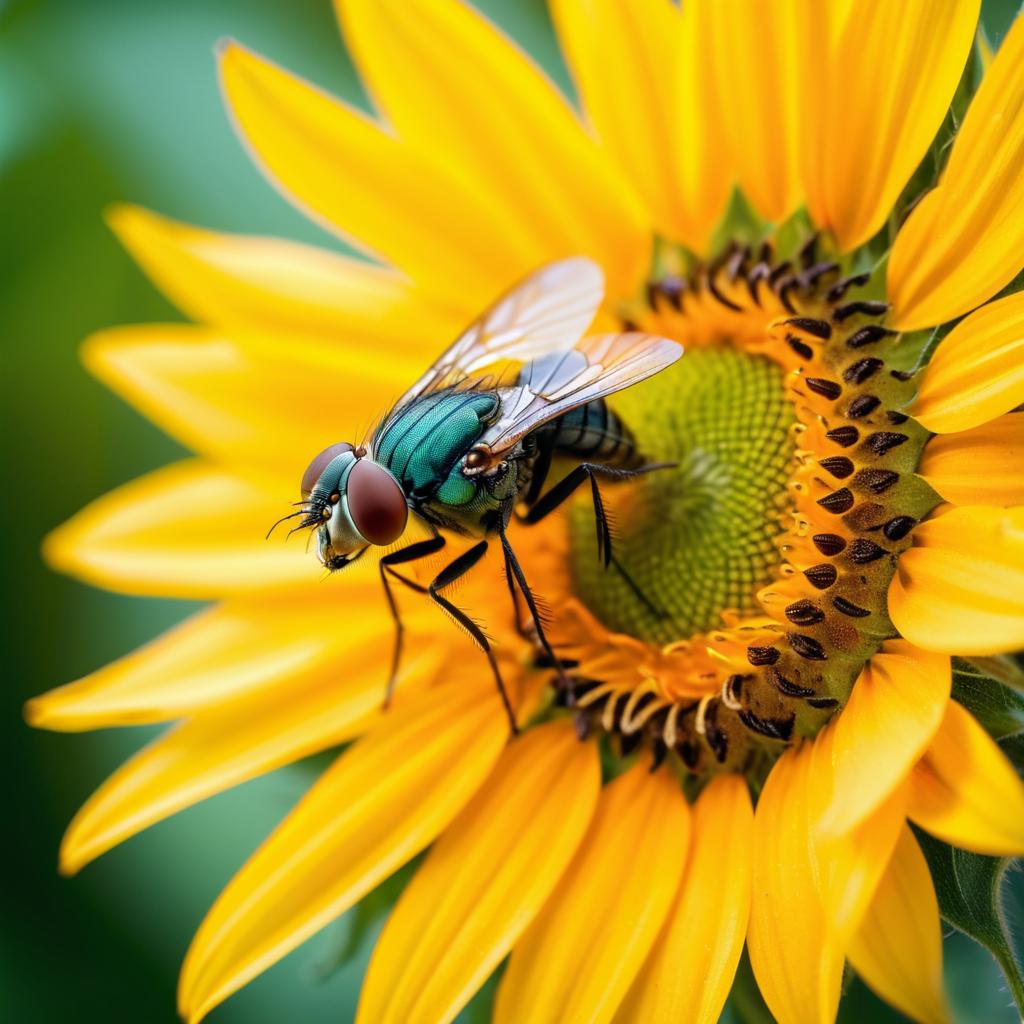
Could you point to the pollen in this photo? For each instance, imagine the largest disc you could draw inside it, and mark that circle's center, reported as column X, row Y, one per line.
column 755, row 565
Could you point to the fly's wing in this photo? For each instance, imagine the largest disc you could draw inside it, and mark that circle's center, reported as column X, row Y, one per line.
column 596, row 367
column 546, row 312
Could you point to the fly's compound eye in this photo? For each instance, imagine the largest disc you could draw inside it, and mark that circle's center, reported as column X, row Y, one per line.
column 376, row 503
column 316, row 468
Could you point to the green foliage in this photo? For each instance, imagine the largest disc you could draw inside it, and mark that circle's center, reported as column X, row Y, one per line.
column 972, row 897
column 991, row 690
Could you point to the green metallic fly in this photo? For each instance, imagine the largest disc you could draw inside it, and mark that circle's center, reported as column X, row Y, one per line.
column 465, row 452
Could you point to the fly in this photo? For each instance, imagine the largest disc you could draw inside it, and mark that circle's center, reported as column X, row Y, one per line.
column 464, row 452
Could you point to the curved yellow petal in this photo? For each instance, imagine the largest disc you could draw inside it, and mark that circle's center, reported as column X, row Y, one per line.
column 238, row 740
column 581, row 954
column 452, row 84
column 690, row 971
column 757, row 48
column 624, row 60
column 380, row 803
column 898, row 948
column 484, row 880
column 982, row 466
column 348, row 173
column 960, row 587
column 798, row 963
column 849, row 864
column 187, row 530
column 266, row 406
column 895, row 708
column 977, row 372
column 965, row 791
column 221, row 653
column 889, row 58
column 974, row 211
column 274, row 288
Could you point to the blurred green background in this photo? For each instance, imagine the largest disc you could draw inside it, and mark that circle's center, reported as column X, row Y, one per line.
column 117, row 99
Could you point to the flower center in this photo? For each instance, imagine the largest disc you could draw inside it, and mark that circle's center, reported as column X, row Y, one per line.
column 754, row 572
column 696, row 539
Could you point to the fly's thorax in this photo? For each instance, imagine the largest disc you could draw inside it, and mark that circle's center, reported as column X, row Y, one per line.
column 421, row 442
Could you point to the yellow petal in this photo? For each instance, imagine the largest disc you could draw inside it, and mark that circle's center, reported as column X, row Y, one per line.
column 960, row 587
column 484, row 881
column 278, row 289
column 983, row 466
column 797, row 962
column 895, row 708
column 889, row 58
column 348, row 173
column 977, row 372
column 965, row 791
column 757, row 54
column 626, row 61
column 689, row 973
column 898, row 948
column 238, row 740
column 452, row 84
column 380, row 803
column 849, row 864
column 267, row 407
column 187, row 530
column 963, row 242
column 223, row 652
column 581, row 954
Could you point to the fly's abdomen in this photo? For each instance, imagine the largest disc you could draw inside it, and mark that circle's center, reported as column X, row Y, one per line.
column 593, row 433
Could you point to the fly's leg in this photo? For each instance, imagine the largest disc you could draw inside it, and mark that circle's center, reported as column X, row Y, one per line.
column 445, row 578
column 414, row 552
column 514, row 571
column 565, row 487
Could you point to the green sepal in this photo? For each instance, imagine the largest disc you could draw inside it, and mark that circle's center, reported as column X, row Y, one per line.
column 992, row 696
column 971, row 898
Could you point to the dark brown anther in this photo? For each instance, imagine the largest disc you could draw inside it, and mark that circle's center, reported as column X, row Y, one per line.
column 581, row 723
column 804, row 613
column 733, row 687
column 627, row 744
column 673, row 289
column 898, row 528
column 816, row 328
column 823, row 702
column 714, row 289
column 860, row 371
column 829, row 544
column 896, row 418
column 808, row 251
column 838, row 465
column 884, row 441
column 844, row 436
column 773, row 728
column 868, row 335
column 813, row 274
column 849, row 608
column 863, row 551
column 689, row 754
column 758, row 656
column 717, row 740
column 840, row 288
column 734, row 264
column 629, row 325
column 821, row 576
column 826, row 388
column 837, row 502
column 807, row 647
column 801, row 348
column 863, row 405
column 877, row 481
column 901, row 375
column 784, row 290
column 659, row 751
column 841, row 313
column 780, row 271
column 787, row 686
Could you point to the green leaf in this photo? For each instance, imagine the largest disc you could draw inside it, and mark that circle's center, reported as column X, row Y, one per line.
column 745, row 1004
column 988, row 696
column 971, row 898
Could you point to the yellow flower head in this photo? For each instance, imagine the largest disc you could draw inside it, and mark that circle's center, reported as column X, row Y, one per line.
column 796, row 192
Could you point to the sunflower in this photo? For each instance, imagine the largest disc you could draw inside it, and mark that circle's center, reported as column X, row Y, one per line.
column 802, row 194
